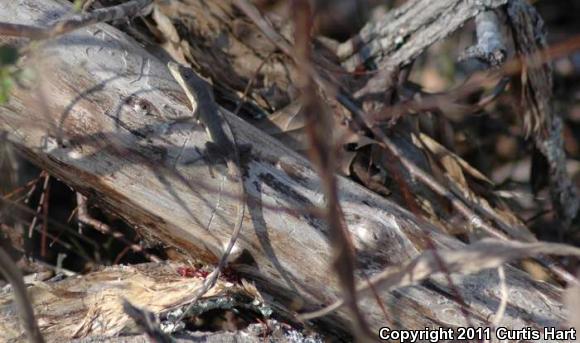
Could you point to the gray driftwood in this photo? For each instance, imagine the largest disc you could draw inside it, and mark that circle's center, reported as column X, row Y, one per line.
column 400, row 36
column 105, row 116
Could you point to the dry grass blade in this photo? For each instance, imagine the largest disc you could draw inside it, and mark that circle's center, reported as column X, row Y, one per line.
column 485, row 254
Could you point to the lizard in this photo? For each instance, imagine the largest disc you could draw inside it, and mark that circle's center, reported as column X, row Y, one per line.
column 221, row 136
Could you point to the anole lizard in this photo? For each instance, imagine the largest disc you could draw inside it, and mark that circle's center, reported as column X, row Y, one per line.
column 221, row 135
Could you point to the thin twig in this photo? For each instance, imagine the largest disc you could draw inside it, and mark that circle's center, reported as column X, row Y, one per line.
column 44, row 232
column 18, row 30
column 7, row 202
column 29, row 185
column 319, row 129
column 40, row 204
column 84, row 217
column 250, row 83
column 504, row 297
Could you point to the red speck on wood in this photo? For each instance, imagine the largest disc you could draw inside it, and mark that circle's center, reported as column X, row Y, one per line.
column 192, row 272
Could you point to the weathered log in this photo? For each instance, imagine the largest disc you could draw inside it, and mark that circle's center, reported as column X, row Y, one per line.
column 105, row 117
column 92, row 304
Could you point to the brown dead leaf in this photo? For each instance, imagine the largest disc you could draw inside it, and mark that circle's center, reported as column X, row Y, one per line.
column 439, row 150
column 172, row 43
column 286, row 119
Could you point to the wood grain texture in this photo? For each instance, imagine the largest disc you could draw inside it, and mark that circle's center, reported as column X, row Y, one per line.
column 105, row 116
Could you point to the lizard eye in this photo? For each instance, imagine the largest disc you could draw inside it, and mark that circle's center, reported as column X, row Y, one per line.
column 140, row 106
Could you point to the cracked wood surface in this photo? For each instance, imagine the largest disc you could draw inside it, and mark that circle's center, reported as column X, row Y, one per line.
column 106, row 117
